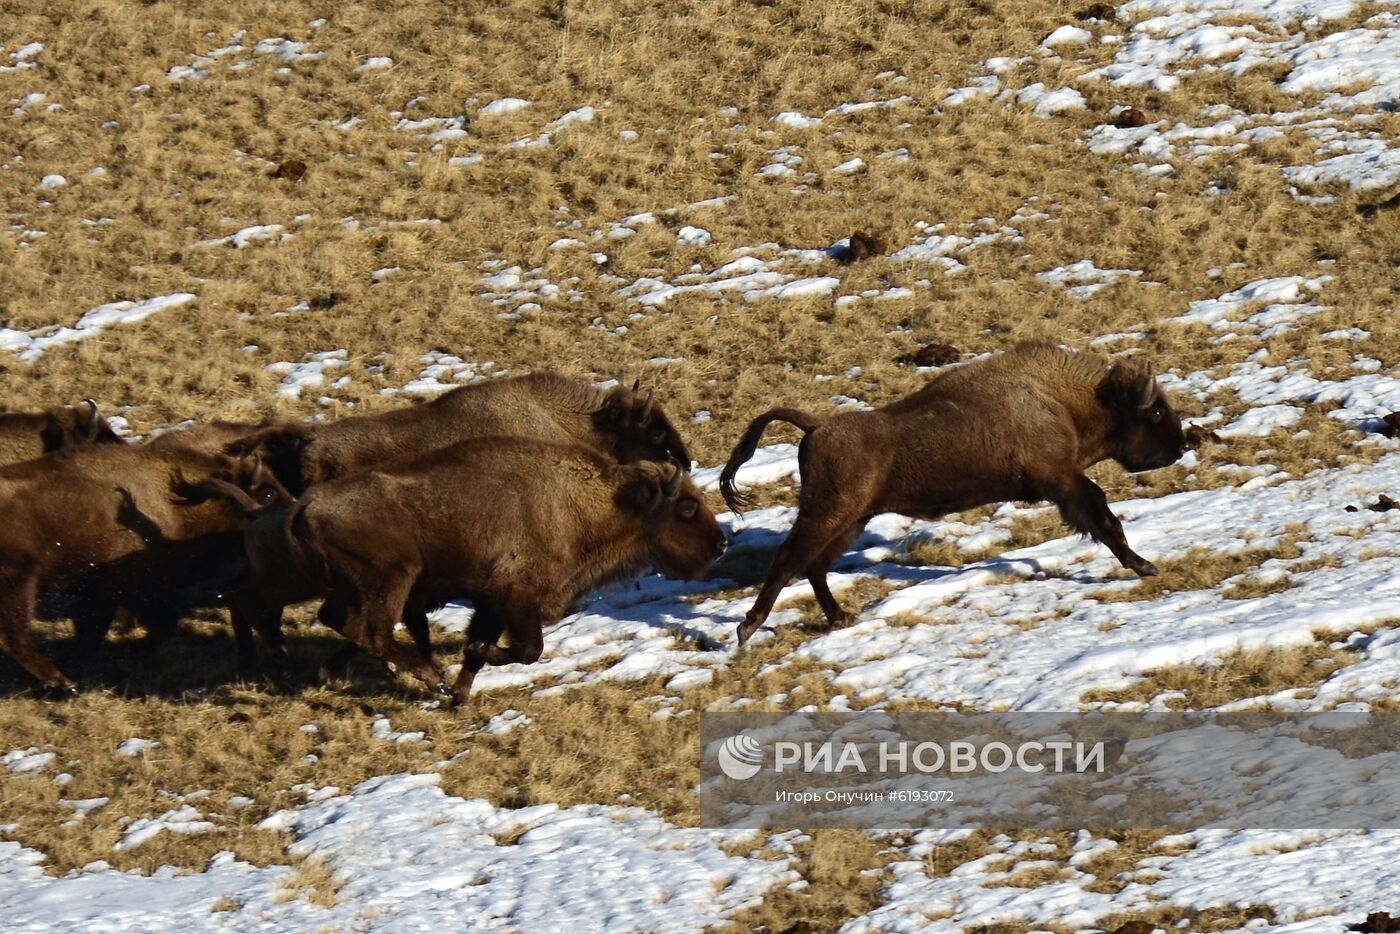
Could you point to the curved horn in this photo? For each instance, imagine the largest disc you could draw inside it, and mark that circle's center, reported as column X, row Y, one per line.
column 637, row 385
column 1149, row 388
column 645, row 416
column 673, row 486
column 90, row 426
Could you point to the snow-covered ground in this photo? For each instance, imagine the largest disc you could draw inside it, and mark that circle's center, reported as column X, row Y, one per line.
column 1031, row 628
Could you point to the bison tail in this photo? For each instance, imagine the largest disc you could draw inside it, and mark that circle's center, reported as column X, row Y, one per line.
column 749, row 443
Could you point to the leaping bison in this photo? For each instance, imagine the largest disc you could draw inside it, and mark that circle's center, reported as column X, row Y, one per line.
column 1019, row 425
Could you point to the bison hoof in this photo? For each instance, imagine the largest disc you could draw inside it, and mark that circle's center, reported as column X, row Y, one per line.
column 1146, row 569
column 745, row 630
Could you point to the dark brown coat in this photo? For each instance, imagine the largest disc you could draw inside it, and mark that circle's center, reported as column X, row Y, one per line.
column 618, row 421
column 27, row 435
column 115, row 518
column 520, row 527
column 1020, row 425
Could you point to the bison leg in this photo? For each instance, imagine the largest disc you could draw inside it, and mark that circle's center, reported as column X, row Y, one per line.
column 332, row 614
column 371, row 625
column 248, row 615
column 1084, row 507
column 17, row 596
column 805, row 544
column 92, row 620
column 160, row 621
column 482, row 635
column 816, row 576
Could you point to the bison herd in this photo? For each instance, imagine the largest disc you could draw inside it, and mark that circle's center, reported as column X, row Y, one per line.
column 520, row 495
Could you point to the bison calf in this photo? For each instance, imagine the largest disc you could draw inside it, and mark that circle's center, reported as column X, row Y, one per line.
column 1020, row 425
column 522, row 528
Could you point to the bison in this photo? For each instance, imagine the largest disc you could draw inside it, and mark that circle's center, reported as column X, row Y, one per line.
column 120, row 525
column 520, row 527
column 1019, row 425
column 27, row 435
column 617, row 421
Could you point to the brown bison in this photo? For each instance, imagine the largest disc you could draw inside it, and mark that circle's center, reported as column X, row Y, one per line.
column 120, row 524
column 1020, row 425
column 277, row 444
column 616, row 421
column 27, row 435
column 520, row 527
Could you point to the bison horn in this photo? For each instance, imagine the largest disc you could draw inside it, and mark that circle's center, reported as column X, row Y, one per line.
column 637, row 385
column 645, row 417
column 673, row 485
column 1148, row 392
column 90, row 426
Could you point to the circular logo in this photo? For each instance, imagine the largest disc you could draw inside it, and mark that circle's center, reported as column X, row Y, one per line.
column 740, row 757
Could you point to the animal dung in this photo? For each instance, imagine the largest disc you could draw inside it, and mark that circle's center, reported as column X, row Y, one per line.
column 1377, row 922
column 861, row 246
column 1129, row 118
column 1383, row 503
column 293, row 170
column 1096, row 11
column 931, row 355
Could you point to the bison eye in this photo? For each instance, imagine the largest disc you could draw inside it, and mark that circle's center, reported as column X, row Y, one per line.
column 267, row 496
column 1156, row 415
column 687, row 509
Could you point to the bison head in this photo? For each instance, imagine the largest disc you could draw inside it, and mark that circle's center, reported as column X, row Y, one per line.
column 76, row 424
column 1144, row 433
column 245, row 481
column 641, row 429
column 683, row 537
column 279, row 446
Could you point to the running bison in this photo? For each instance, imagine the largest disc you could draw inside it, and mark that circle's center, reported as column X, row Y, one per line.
column 520, row 527
column 27, row 435
column 618, row 421
column 119, row 524
column 1020, row 425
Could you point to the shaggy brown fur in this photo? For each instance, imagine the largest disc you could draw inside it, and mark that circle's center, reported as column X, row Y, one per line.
column 520, row 527
column 618, row 421
column 27, row 435
column 1021, row 425
column 116, row 522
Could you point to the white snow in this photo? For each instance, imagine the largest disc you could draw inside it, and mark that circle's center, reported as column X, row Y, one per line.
column 135, row 746
column 693, row 236
column 503, row 106
column 32, row 345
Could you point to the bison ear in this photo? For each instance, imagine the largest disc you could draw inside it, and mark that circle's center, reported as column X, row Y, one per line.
column 1128, row 386
column 643, row 492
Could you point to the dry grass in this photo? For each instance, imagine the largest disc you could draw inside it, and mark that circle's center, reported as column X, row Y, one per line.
column 1238, row 676
column 192, row 161
column 843, row 874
